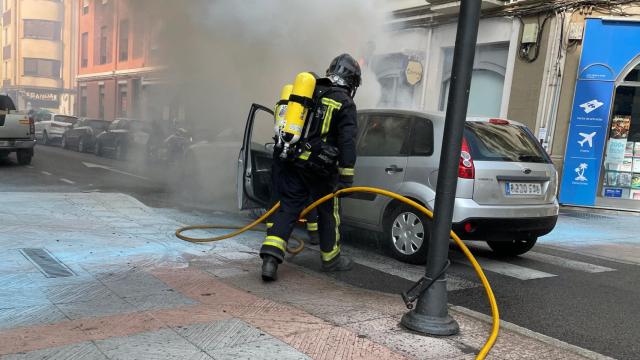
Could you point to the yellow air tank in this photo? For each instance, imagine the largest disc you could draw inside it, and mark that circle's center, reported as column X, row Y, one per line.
column 297, row 109
column 281, row 108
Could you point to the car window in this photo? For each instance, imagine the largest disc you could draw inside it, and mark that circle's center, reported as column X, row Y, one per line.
column 97, row 124
column 65, row 119
column 385, row 135
column 114, row 125
column 45, row 117
column 503, row 142
column 422, row 137
column 124, row 125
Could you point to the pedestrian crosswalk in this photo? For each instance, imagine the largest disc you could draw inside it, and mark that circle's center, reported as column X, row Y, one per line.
column 530, row 266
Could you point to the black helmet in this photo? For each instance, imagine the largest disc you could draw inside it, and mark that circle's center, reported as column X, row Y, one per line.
column 345, row 71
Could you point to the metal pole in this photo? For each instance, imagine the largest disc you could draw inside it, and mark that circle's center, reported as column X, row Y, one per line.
column 431, row 315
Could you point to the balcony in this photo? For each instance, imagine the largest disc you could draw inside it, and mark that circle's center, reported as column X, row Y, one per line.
column 416, row 13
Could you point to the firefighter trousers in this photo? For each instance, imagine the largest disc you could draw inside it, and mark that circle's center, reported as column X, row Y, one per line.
column 276, row 173
column 296, row 186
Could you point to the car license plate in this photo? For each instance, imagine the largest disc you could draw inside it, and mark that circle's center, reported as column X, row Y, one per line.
column 518, row 188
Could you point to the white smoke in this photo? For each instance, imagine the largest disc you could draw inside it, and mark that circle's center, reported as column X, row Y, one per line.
column 223, row 55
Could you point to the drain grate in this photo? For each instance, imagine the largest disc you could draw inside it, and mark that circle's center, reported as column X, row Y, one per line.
column 47, row 263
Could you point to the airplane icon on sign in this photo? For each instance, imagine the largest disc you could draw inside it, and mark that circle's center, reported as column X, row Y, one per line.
column 587, row 138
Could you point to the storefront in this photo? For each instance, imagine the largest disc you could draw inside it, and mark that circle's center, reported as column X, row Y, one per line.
column 414, row 66
column 602, row 159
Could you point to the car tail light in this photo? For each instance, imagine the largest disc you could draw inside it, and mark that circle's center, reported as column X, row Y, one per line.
column 32, row 125
column 499, row 122
column 465, row 167
column 469, row 227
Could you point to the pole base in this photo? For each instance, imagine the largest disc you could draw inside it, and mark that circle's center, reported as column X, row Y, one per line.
column 430, row 325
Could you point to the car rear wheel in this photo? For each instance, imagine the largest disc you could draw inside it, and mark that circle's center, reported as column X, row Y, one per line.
column 63, row 142
column 513, row 247
column 24, row 157
column 407, row 233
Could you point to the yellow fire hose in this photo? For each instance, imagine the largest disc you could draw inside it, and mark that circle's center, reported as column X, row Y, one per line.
column 492, row 300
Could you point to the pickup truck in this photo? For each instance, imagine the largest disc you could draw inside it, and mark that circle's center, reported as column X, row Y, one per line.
column 17, row 132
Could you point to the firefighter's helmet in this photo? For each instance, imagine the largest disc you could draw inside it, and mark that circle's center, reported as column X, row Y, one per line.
column 345, row 71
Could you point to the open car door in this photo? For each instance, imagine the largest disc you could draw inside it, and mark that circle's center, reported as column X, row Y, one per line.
column 254, row 161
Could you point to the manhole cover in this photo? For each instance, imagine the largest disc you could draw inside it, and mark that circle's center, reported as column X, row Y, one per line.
column 47, row 263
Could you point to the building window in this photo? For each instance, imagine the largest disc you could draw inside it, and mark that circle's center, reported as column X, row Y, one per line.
column 41, row 29
column 83, row 101
column 138, row 37
column 85, row 7
column 101, row 101
column 42, row 68
column 103, row 45
column 123, row 41
column 6, row 18
column 84, row 46
column 6, row 52
column 122, row 100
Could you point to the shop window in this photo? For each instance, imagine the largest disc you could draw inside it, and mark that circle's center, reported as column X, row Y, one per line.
column 41, row 29
column 485, row 97
column 487, row 83
column 634, row 75
column 85, row 7
column 123, row 41
column 42, row 68
column 622, row 160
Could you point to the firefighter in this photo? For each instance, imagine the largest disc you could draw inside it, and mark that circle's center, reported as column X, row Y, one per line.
column 320, row 163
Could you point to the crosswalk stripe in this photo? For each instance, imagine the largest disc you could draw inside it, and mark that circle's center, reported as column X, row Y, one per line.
column 415, row 274
column 566, row 263
column 504, row 268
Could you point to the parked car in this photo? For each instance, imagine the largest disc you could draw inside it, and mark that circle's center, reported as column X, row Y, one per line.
column 506, row 191
column 122, row 138
column 82, row 135
column 16, row 132
column 50, row 126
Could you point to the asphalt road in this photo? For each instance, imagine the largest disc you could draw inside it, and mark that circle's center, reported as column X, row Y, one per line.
column 583, row 293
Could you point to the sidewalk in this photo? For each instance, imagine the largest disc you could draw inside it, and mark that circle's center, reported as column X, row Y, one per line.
column 136, row 292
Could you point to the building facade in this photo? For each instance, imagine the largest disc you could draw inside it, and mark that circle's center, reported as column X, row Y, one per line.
column 566, row 70
column 117, row 58
column 38, row 53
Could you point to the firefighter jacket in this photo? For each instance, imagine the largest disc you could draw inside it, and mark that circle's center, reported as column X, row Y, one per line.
column 332, row 126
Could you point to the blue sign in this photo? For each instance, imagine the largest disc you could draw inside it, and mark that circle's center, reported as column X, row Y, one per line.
column 613, row 193
column 609, row 47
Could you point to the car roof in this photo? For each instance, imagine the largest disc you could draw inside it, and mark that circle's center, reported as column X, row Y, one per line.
column 436, row 116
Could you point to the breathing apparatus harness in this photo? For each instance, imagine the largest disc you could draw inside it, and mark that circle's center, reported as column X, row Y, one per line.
column 313, row 154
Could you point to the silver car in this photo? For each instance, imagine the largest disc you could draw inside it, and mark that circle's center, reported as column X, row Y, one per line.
column 506, row 191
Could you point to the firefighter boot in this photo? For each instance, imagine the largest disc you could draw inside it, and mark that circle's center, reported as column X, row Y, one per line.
column 339, row 263
column 269, row 268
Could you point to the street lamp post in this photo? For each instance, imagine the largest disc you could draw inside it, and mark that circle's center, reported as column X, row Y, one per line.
column 431, row 315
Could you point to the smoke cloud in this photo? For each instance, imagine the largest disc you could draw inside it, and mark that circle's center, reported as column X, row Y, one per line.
column 223, row 55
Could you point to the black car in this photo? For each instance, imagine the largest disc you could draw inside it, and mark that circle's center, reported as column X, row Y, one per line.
column 123, row 137
column 82, row 135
